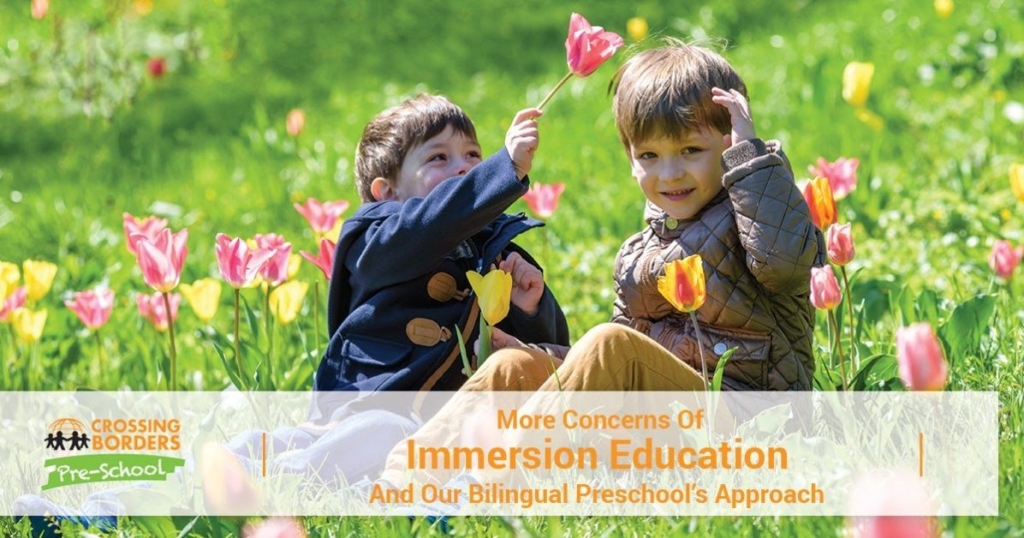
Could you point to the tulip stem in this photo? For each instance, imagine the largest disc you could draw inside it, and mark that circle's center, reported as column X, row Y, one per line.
column 849, row 306
column 238, row 354
column 99, row 351
column 554, row 90
column 839, row 347
column 485, row 342
column 316, row 316
column 270, row 335
column 173, row 377
column 700, row 350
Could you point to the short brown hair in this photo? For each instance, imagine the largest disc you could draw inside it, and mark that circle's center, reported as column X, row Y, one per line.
column 667, row 91
column 388, row 138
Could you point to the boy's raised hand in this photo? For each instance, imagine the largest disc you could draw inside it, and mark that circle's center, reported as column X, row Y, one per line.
column 522, row 138
column 739, row 113
column 527, row 282
column 499, row 340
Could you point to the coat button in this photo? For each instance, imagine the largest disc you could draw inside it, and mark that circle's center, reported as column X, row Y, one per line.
column 426, row 332
column 719, row 349
column 443, row 288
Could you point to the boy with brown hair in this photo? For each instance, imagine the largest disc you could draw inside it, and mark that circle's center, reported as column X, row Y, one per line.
column 432, row 210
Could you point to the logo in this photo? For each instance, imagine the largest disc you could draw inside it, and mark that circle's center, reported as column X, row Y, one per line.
column 70, row 430
column 104, row 442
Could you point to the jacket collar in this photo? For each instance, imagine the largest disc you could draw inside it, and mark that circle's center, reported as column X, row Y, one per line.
column 667, row 227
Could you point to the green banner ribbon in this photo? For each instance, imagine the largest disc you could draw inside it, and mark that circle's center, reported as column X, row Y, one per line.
column 108, row 468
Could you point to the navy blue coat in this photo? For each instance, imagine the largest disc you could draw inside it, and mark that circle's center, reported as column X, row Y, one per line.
column 386, row 255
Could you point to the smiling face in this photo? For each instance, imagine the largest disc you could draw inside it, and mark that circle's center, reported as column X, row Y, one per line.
column 446, row 155
column 680, row 175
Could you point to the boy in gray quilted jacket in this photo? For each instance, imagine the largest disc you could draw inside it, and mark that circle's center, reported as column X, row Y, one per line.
column 713, row 188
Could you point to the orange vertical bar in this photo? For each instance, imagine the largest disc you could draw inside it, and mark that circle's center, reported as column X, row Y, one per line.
column 264, row 451
column 920, row 453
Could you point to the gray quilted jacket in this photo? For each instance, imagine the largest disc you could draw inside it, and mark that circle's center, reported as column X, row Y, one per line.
column 758, row 245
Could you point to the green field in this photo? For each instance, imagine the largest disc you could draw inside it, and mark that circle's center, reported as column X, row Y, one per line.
column 86, row 134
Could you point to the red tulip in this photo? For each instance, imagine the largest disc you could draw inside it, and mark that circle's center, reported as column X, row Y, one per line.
column 840, row 244
column 825, row 294
column 153, row 309
column 13, row 302
column 587, row 47
column 295, row 123
column 148, row 227
column 322, row 216
column 157, row 67
column 818, row 195
column 841, row 175
column 93, row 307
column 326, row 259
column 922, row 366
column 543, row 199
column 275, row 270
column 275, row 527
column 39, row 8
column 162, row 258
column 1004, row 259
column 238, row 265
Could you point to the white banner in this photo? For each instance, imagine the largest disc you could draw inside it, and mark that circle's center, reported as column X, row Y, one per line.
column 557, row 453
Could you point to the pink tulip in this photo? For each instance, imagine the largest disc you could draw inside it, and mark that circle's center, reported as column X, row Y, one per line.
column 153, row 309
column 322, row 216
column 156, row 67
column 295, row 123
column 92, row 307
column 1004, row 259
column 148, row 227
column 841, row 175
column 162, row 258
column 543, row 199
column 922, row 366
column 238, row 265
column 840, row 244
column 587, row 47
column 275, row 527
column 13, row 302
column 825, row 294
column 891, row 505
column 39, row 8
column 326, row 259
column 275, row 270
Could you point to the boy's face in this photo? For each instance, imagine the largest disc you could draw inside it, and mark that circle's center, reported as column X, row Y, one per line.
column 680, row 175
column 446, row 155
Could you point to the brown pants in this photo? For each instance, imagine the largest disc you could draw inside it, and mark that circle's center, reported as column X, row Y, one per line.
column 610, row 357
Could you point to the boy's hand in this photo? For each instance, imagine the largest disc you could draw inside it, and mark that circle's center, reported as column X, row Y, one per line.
column 527, row 283
column 521, row 140
column 739, row 112
column 499, row 340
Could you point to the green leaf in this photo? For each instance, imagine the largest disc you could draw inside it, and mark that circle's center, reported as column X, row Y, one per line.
column 962, row 333
column 466, row 368
column 927, row 307
column 230, row 368
column 251, row 321
column 158, row 526
column 875, row 372
column 716, row 380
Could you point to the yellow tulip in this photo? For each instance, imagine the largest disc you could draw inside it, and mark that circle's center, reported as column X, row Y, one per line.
column 944, row 8
column 683, row 283
column 821, row 202
column 28, row 325
column 294, row 263
column 204, row 297
column 494, row 291
column 38, row 278
column 333, row 233
column 637, row 28
column 286, row 300
column 143, row 7
column 857, row 82
column 1017, row 180
column 3, row 290
column 10, row 274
